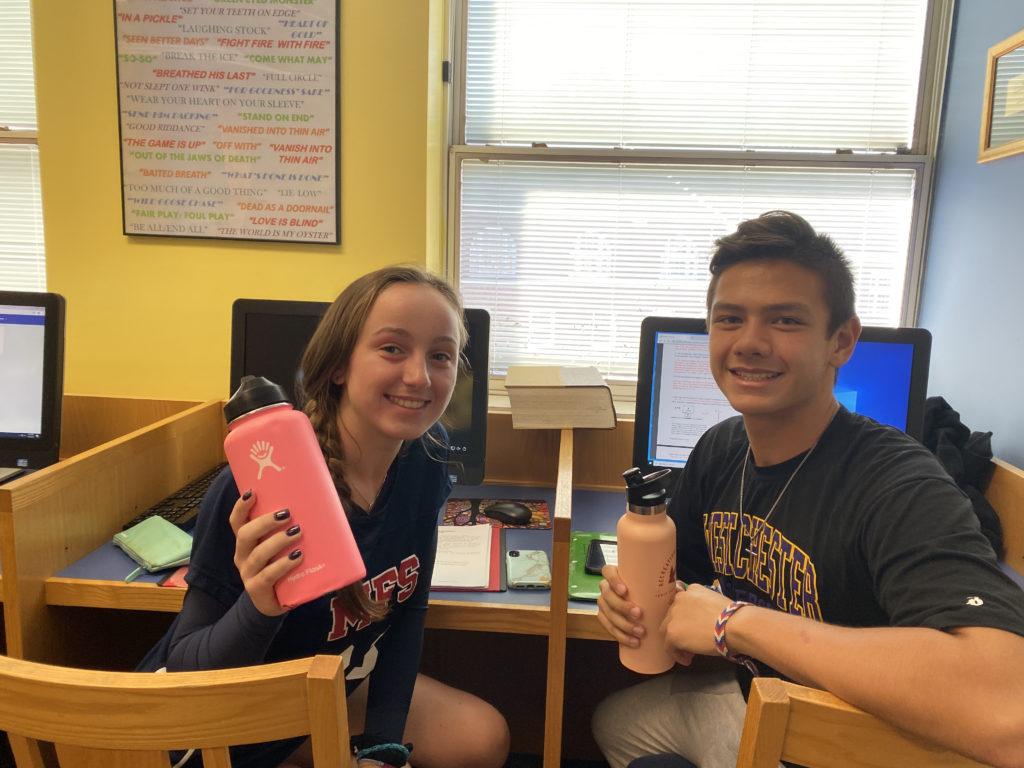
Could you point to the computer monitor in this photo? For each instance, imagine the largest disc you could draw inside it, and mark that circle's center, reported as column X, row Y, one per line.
column 269, row 336
column 677, row 398
column 31, row 378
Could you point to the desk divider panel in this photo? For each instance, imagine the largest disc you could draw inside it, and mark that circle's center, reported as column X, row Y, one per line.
column 53, row 517
column 91, row 420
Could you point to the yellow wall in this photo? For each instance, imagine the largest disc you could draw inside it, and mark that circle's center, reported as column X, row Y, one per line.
column 150, row 316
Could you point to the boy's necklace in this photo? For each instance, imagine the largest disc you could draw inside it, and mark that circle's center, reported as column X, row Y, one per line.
column 743, row 476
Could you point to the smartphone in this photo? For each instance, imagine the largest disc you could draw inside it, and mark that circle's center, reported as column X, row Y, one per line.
column 599, row 554
column 528, row 569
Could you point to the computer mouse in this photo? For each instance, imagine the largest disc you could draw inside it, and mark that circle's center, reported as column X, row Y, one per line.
column 511, row 512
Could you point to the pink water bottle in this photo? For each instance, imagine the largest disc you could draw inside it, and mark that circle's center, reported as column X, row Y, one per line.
column 647, row 564
column 273, row 450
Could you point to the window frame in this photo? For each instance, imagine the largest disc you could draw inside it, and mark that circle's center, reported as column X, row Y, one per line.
column 920, row 157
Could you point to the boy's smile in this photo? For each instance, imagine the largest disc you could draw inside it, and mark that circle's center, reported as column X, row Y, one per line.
column 770, row 350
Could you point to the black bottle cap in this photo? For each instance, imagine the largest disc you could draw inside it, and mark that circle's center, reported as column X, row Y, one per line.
column 645, row 490
column 253, row 393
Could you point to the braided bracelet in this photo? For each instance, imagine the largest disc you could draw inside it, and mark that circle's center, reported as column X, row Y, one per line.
column 719, row 636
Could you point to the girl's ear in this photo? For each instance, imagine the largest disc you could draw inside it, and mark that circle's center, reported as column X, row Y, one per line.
column 338, row 377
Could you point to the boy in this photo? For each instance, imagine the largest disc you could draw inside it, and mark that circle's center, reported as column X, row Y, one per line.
column 847, row 559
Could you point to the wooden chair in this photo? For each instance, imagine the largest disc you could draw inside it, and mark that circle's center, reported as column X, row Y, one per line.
column 131, row 719
column 815, row 729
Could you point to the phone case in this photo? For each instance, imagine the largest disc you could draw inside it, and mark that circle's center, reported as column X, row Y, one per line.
column 583, row 585
column 528, row 569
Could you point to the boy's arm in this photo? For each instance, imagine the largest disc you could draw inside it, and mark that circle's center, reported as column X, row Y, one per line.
column 959, row 688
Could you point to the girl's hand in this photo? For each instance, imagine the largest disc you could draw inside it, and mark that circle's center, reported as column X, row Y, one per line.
column 256, row 543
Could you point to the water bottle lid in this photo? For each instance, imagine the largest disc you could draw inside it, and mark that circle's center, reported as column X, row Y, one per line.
column 645, row 490
column 253, row 393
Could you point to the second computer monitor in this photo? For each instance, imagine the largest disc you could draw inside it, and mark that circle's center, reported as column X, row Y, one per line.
column 677, row 398
column 268, row 338
column 31, row 378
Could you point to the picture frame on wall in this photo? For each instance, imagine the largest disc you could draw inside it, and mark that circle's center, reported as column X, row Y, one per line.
column 228, row 117
column 1002, row 114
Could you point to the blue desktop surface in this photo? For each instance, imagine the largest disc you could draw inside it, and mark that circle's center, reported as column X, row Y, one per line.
column 592, row 511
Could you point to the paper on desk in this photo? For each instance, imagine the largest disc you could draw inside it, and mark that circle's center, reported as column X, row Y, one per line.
column 463, row 556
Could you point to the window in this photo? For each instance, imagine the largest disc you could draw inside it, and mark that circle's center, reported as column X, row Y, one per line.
column 600, row 146
column 22, row 260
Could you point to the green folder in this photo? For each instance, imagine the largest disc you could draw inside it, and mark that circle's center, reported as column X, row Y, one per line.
column 583, row 585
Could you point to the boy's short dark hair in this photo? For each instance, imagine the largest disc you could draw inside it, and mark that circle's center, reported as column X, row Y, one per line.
column 784, row 236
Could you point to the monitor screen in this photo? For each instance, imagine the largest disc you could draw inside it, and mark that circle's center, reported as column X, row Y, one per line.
column 678, row 399
column 31, row 380
column 268, row 339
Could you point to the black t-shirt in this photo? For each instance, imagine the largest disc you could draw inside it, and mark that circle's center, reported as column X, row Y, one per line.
column 220, row 627
column 871, row 532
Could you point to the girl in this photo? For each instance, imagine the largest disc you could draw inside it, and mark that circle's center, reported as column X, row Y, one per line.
column 376, row 376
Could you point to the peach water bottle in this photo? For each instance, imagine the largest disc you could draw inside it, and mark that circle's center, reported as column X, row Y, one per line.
column 647, row 566
column 273, row 450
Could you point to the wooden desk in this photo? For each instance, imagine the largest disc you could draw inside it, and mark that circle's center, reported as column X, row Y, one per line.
column 193, row 438
column 90, row 420
column 55, row 516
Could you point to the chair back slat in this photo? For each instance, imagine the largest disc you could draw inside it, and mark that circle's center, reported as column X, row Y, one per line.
column 818, row 730
column 326, row 693
column 26, row 752
column 73, row 756
column 766, row 719
column 218, row 757
column 131, row 719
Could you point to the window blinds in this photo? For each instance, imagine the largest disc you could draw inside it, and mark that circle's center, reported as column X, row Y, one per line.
column 761, row 74
column 22, row 258
column 607, row 143
column 569, row 257
column 17, row 82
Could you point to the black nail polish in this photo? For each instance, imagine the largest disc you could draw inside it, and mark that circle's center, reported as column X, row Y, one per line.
column 295, row 554
column 282, row 514
column 293, row 530
column 247, row 495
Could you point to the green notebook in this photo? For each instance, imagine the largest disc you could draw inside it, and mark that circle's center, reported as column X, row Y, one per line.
column 583, row 585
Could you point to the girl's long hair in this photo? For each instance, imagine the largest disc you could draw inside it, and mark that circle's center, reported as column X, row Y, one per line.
column 329, row 350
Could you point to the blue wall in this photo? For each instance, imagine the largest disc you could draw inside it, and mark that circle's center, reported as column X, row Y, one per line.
column 974, row 266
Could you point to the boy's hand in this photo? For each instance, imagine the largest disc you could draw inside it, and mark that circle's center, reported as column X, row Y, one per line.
column 617, row 614
column 689, row 625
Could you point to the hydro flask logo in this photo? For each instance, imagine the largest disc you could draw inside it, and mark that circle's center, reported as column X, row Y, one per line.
column 262, row 453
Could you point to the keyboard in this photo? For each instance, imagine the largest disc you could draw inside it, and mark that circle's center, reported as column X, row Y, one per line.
column 182, row 505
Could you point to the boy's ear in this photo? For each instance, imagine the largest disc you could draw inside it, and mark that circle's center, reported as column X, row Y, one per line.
column 845, row 341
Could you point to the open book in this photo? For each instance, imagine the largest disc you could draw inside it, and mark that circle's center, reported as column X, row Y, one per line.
column 468, row 558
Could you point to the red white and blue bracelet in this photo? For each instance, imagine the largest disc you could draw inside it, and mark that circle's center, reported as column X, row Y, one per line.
column 720, row 644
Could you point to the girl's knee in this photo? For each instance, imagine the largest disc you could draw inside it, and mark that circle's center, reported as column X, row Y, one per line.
column 488, row 745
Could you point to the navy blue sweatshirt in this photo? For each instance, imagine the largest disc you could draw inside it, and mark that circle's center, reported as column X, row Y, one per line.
column 220, row 627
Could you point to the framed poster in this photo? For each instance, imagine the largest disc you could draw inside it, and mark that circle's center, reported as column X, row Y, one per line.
column 228, row 115
column 1002, row 112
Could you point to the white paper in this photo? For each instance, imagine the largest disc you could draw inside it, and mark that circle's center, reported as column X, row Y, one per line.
column 463, row 556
